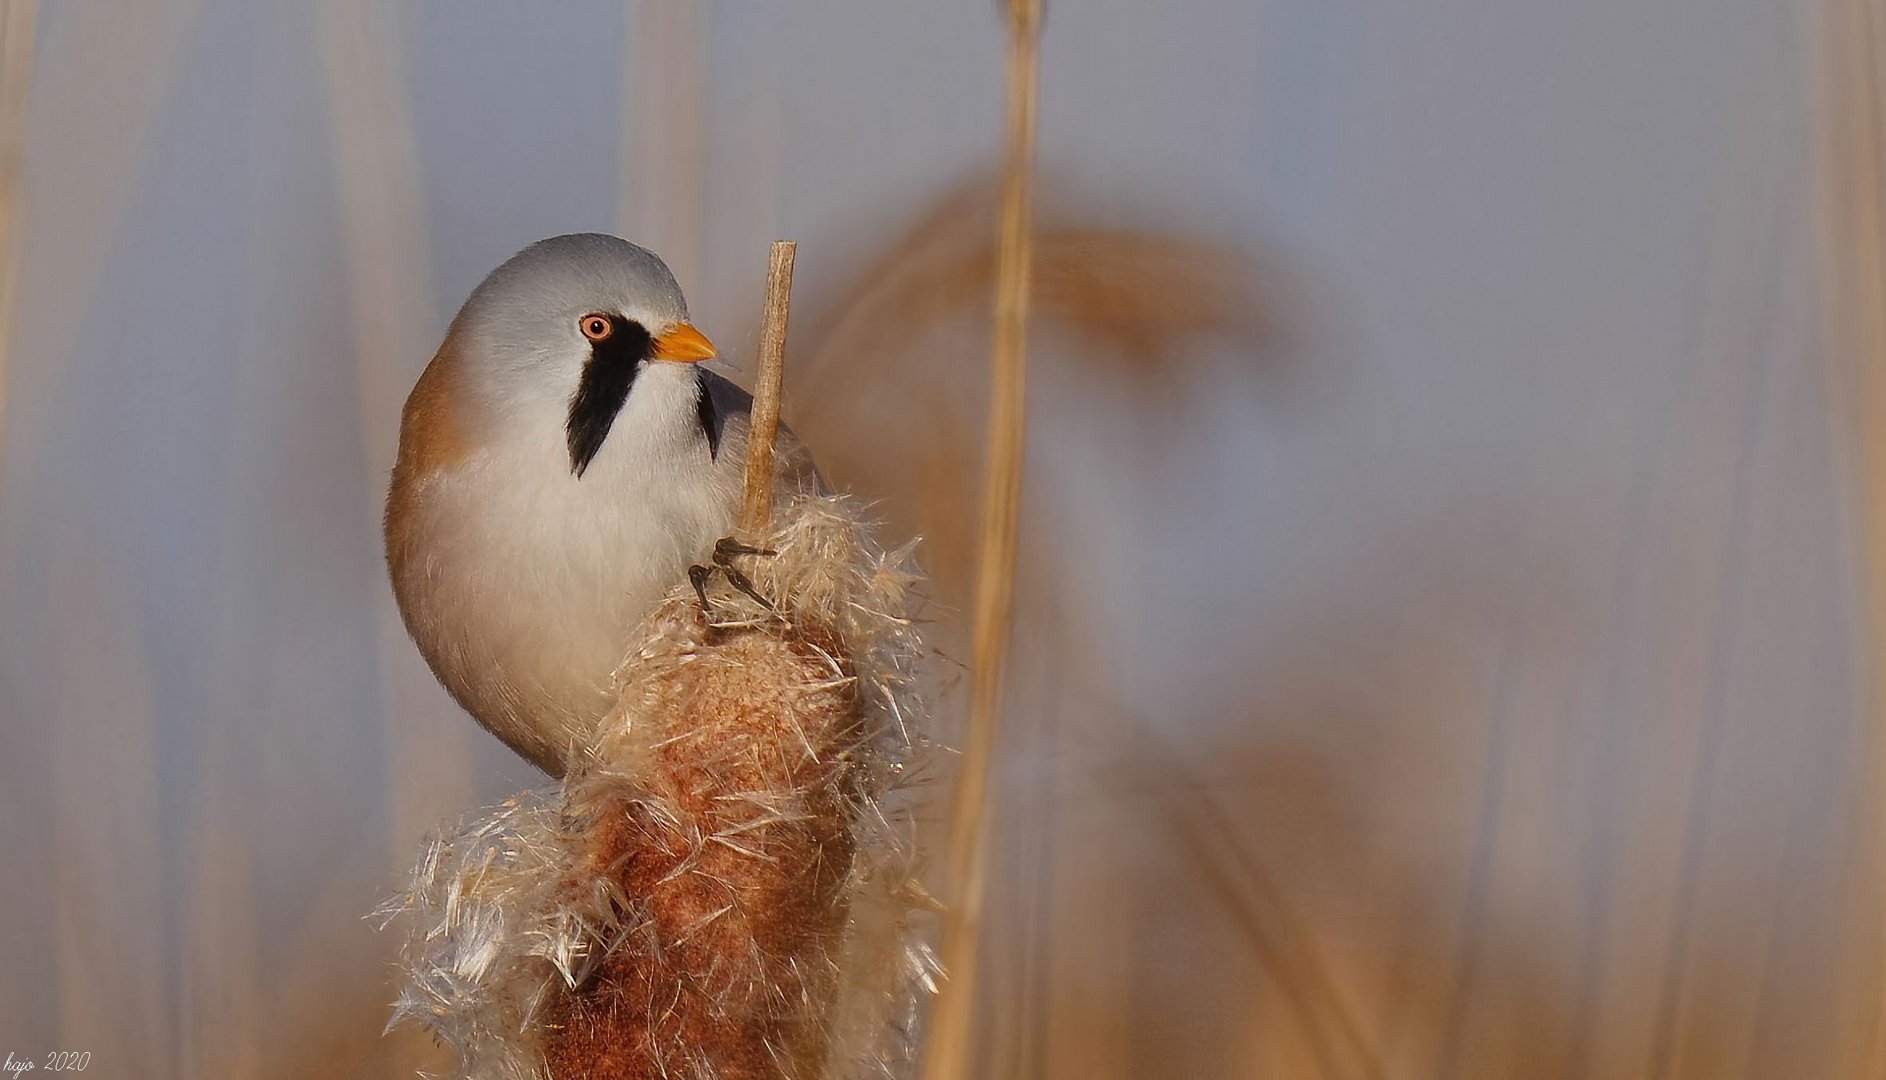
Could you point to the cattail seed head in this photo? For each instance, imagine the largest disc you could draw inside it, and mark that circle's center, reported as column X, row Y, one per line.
column 722, row 892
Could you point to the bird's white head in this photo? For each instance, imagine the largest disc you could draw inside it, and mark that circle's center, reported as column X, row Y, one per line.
column 564, row 331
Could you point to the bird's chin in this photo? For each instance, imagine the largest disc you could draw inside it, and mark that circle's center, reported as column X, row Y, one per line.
column 677, row 370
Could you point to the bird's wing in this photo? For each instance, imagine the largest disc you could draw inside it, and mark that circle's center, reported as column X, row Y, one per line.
column 794, row 471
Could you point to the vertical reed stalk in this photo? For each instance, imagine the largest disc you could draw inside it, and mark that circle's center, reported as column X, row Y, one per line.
column 1853, row 269
column 763, row 424
column 952, row 1025
column 664, row 141
column 388, row 274
column 16, row 80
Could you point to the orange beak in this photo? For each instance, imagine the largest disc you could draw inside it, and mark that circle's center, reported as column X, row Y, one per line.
column 683, row 344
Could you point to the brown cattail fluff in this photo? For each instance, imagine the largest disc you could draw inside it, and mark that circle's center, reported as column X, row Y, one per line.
column 724, row 892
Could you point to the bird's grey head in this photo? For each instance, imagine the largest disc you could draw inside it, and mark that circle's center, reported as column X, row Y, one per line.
column 563, row 329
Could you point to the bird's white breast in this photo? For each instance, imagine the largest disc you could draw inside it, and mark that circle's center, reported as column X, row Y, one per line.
column 533, row 580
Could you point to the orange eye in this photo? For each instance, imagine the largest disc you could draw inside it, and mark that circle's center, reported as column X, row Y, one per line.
column 596, row 327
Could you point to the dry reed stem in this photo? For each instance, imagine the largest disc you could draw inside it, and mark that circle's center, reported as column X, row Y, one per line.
column 662, row 200
column 1285, row 945
column 1853, row 265
column 952, row 1025
column 385, row 255
column 763, row 426
column 16, row 80
column 111, row 69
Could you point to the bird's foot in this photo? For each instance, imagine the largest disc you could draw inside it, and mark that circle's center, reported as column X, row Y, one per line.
column 725, row 549
column 697, row 577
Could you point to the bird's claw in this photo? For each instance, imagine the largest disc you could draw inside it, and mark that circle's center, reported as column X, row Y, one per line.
column 725, row 549
column 697, row 577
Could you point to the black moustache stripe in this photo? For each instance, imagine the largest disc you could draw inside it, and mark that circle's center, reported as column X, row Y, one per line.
column 710, row 416
column 607, row 376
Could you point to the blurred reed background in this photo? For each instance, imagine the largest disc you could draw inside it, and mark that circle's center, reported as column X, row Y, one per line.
column 1453, row 558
